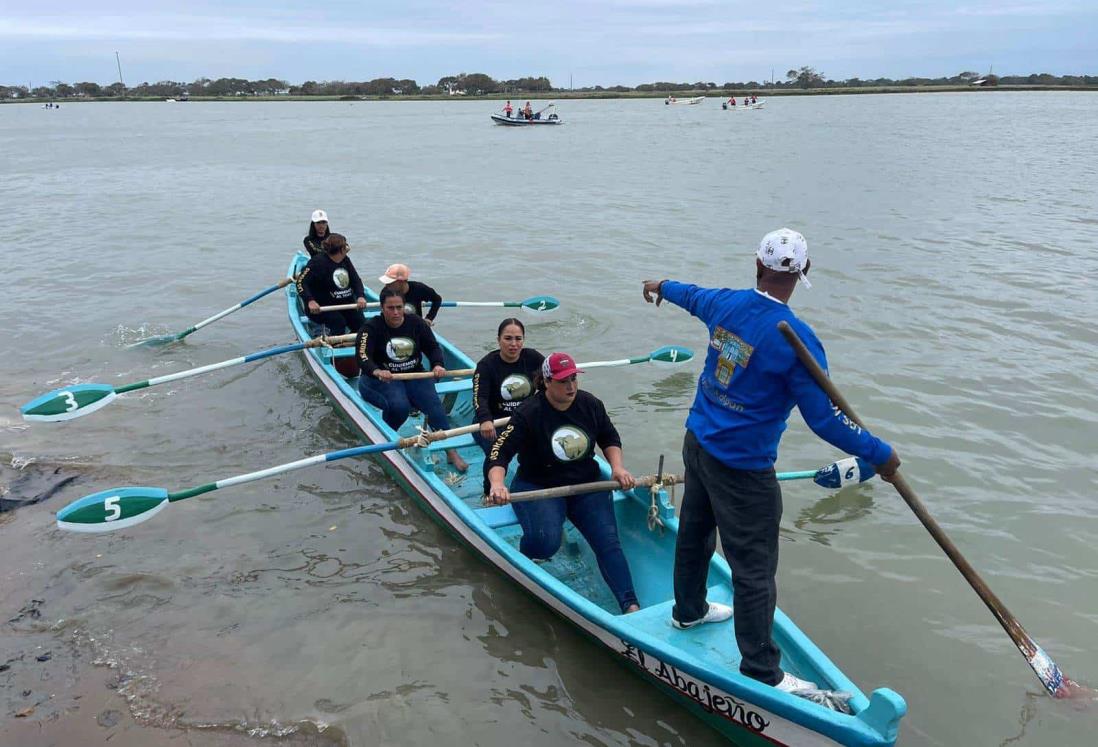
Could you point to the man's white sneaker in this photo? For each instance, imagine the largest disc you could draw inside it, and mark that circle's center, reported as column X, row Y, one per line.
column 717, row 613
column 791, row 684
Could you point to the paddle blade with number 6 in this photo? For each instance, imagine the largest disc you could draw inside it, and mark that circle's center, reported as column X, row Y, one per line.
column 848, row 471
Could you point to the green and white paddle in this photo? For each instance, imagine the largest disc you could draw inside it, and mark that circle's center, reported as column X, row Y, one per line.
column 666, row 354
column 534, row 303
column 119, row 508
column 837, row 475
column 165, row 339
column 77, row 400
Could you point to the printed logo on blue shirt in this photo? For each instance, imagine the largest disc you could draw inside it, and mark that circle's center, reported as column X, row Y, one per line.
column 733, row 352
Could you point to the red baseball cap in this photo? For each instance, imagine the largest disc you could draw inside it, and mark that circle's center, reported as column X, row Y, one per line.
column 558, row 366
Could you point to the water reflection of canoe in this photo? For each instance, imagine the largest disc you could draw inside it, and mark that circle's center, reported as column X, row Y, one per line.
column 697, row 667
column 500, row 119
column 671, row 100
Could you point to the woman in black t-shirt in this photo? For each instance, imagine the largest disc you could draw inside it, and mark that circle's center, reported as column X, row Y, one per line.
column 554, row 434
column 504, row 379
column 318, row 231
column 330, row 279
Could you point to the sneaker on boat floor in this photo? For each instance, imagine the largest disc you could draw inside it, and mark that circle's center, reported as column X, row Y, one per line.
column 717, row 613
column 791, row 684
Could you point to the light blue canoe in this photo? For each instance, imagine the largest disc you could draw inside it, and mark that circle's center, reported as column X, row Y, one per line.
column 697, row 667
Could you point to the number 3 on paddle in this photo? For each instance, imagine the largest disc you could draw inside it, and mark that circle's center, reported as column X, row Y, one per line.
column 112, row 508
column 70, row 401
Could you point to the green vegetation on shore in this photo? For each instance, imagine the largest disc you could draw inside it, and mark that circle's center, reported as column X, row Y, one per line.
column 802, row 81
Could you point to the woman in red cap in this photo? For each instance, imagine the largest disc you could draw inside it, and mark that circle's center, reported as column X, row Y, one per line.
column 554, row 433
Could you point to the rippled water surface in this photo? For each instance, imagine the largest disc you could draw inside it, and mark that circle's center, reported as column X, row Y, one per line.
column 955, row 250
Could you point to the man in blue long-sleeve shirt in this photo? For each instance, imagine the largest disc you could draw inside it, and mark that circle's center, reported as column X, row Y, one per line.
column 752, row 380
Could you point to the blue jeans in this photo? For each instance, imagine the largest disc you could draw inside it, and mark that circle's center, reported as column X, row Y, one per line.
column 339, row 322
column 397, row 398
column 593, row 515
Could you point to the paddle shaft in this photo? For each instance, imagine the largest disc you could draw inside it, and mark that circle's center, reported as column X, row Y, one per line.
column 314, row 343
column 1013, row 628
column 222, row 314
column 329, row 457
column 430, row 374
column 645, row 481
column 444, row 304
column 588, row 487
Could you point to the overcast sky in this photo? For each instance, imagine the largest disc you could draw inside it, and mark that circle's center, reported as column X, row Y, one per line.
column 597, row 42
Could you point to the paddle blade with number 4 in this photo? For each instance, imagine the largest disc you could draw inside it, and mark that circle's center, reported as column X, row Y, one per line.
column 671, row 354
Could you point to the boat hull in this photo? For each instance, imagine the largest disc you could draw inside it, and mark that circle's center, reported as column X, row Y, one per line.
column 709, row 686
column 520, row 122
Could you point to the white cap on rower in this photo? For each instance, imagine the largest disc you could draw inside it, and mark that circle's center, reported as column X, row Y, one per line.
column 319, row 215
column 785, row 250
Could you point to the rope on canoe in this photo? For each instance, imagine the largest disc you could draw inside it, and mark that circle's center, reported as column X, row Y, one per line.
column 422, row 439
column 654, row 520
column 836, row 700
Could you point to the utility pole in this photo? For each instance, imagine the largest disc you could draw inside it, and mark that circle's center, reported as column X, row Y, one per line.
column 117, row 60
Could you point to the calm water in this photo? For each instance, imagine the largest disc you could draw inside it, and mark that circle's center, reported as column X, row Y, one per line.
column 955, row 248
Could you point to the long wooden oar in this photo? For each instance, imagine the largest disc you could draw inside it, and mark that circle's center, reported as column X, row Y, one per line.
column 534, row 303
column 666, row 354
column 78, row 400
column 1058, row 685
column 164, row 339
column 123, row 507
column 835, row 475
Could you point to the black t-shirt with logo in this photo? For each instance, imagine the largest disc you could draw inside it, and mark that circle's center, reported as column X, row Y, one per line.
column 330, row 283
column 419, row 294
column 555, row 448
column 500, row 387
column 399, row 349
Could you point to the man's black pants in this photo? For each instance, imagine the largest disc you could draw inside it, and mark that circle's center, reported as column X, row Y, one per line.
column 745, row 506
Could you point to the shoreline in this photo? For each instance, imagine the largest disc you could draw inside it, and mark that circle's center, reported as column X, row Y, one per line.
column 581, row 95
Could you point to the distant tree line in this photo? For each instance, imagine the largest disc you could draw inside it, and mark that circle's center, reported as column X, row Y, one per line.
column 478, row 84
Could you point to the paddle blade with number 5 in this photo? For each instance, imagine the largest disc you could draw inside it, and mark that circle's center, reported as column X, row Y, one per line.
column 112, row 509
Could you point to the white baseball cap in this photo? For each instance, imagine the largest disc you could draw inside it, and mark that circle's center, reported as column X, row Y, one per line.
column 785, row 250
column 319, row 215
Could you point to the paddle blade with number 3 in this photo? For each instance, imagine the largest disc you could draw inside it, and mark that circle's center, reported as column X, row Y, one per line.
column 69, row 402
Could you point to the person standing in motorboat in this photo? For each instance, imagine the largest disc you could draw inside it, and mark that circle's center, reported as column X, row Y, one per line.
column 751, row 381
column 330, row 279
column 527, row 111
column 414, row 292
column 507, row 108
